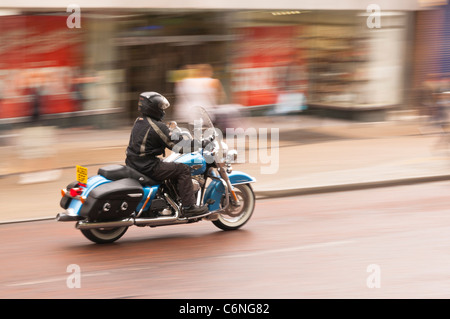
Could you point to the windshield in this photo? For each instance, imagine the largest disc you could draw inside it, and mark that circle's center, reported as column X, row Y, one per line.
column 202, row 118
column 203, row 125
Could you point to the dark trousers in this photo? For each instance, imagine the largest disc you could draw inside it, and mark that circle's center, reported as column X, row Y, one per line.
column 180, row 174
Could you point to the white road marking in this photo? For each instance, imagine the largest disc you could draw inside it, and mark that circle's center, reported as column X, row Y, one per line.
column 250, row 254
column 289, row 249
column 54, row 279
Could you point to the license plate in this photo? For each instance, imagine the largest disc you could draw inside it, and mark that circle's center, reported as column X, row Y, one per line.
column 82, row 175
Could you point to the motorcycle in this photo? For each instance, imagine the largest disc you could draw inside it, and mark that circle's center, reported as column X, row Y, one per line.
column 104, row 206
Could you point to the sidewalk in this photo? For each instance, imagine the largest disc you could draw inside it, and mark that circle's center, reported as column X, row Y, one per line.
column 314, row 156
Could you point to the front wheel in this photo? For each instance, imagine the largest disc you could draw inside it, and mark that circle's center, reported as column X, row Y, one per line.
column 104, row 235
column 235, row 217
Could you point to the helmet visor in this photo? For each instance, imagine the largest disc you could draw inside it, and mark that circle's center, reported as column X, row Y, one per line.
column 164, row 104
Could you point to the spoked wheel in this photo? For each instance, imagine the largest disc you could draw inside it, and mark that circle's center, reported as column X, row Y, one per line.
column 104, row 235
column 236, row 216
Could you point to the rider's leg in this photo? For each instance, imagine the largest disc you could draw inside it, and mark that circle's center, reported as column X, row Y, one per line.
column 181, row 173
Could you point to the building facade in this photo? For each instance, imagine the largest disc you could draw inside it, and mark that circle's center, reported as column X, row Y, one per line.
column 351, row 59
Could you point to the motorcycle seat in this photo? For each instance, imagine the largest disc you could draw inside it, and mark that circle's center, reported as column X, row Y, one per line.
column 116, row 172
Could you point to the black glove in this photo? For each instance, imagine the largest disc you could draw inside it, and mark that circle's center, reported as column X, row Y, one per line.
column 205, row 142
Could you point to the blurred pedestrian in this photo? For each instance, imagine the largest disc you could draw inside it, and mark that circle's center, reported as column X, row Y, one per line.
column 292, row 86
column 199, row 88
column 427, row 102
column 79, row 86
column 440, row 120
column 36, row 93
column 36, row 143
column 433, row 101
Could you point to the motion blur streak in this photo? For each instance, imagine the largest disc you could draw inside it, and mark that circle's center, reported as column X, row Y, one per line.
column 328, row 95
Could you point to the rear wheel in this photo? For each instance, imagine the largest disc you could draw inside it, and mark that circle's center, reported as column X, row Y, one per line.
column 104, row 235
column 235, row 217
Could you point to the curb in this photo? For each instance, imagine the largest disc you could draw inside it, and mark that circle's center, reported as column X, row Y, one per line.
column 267, row 194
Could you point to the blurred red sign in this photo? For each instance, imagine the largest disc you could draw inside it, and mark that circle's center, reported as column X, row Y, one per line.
column 261, row 62
column 37, row 52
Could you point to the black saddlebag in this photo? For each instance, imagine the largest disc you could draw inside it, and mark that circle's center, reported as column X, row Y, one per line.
column 113, row 201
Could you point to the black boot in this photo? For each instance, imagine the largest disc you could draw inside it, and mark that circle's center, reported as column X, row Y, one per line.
column 194, row 210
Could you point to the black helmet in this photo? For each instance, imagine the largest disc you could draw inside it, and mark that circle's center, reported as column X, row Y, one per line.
column 153, row 104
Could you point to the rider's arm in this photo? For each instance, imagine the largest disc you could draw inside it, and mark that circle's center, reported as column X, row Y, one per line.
column 180, row 144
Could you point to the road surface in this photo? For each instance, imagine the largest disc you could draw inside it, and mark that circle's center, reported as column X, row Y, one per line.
column 379, row 243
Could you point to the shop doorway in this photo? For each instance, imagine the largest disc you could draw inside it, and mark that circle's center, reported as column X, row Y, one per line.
column 150, row 67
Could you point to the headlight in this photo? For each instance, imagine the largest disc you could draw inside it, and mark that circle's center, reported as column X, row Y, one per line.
column 231, row 156
column 221, row 153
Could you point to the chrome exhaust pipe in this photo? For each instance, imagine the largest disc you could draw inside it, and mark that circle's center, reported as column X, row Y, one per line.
column 160, row 221
column 64, row 217
column 164, row 220
column 174, row 205
column 91, row 225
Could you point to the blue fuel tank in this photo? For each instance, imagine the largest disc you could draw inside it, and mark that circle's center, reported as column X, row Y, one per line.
column 195, row 160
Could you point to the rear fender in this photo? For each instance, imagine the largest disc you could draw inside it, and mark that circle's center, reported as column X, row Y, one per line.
column 93, row 182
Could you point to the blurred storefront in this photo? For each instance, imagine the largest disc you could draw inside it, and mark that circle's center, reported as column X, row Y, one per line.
column 92, row 76
column 432, row 43
column 431, row 59
column 39, row 60
column 158, row 47
column 328, row 54
column 445, row 50
column 342, row 66
column 53, row 74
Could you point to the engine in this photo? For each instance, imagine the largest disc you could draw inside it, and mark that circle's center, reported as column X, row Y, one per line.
column 197, row 182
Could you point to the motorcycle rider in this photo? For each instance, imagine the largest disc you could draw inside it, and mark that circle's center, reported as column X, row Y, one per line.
column 149, row 138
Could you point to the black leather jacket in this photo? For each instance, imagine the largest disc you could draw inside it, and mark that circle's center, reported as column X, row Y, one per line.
column 146, row 144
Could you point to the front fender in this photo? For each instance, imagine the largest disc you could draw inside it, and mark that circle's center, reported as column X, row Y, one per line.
column 237, row 177
column 216, row 189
